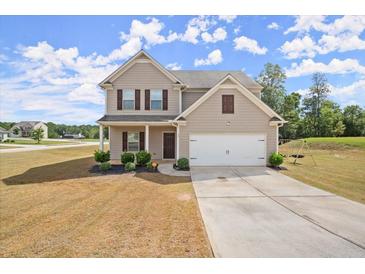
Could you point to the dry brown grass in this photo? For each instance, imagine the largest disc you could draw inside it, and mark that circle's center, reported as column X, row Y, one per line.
column 339, row 169
column 51, row 206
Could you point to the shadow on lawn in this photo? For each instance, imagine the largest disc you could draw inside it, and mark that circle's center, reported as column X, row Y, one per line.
column 72, row 169
column 162, row 179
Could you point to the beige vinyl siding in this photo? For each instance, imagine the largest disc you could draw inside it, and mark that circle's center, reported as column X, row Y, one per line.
column 143, row 76
column 189, row 97
column 208, row 117
column 44, row 127
column 155, row 139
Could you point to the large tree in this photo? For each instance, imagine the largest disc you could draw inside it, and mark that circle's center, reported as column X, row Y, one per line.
column 313, row 102
column 272, row 78
column 291, row 113
column 354, row 120
column 330, row 120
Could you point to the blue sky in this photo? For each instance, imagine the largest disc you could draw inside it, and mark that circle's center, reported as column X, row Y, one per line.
column 50, row 65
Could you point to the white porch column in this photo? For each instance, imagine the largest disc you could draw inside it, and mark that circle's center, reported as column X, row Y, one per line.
column 101, row 138
column 147, row 137
column 177, row 142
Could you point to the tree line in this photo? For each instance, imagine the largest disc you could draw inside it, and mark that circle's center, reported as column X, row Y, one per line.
column 311, row 115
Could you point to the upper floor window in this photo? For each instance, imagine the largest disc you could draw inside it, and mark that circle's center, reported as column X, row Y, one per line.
column 156, row 99
column 128, row 99
column 227, row 103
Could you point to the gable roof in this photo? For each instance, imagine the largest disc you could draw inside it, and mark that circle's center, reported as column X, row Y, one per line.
column 208, row 78
column 265, row 108
column 26, row 125
column 119, row 71
column 3, row 130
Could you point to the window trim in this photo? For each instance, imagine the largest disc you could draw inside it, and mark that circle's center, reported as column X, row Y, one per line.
column 129, row 132
column 225, row 111
column 134, row 99
column 161, row 105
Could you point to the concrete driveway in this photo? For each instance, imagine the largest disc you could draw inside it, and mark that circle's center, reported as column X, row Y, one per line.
column 258, row 212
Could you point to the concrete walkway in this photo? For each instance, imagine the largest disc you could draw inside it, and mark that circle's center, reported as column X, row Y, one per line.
column 23, row 148
column 258, row 212
column 167, row 169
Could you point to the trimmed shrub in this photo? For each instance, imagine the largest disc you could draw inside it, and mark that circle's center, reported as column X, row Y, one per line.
column 130, row 166
column 143, row 157
column 183, row 163
column 127, row 157
column 105, row 166
column 101, row 156
column 276, row 159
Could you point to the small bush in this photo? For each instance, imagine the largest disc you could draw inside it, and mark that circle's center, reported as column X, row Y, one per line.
column 130, row 166
column 183, row 163
column 276, row 159
column 12, row 141
column 127, row 157
column 102, row 156
column 105, row 166
column 143, row 157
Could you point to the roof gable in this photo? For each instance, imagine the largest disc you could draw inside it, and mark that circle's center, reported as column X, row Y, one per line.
column 141, row 57
column 266, row 109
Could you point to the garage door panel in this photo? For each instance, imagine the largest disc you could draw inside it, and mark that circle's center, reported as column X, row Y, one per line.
column 228, row 149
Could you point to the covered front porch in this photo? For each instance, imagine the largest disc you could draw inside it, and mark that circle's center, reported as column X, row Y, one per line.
column 160, row 139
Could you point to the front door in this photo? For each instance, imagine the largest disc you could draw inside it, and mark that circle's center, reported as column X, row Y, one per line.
column 169, row 145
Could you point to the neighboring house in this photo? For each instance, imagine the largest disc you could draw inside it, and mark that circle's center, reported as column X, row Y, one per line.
column 25, row 128
column 4, row 134
column 209, row 117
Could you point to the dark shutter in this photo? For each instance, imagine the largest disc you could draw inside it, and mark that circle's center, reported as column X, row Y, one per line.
column 137, row 95
column 141, row 140
column 164, row 99
column 227, row 104
column 120, row 99
column 125, row 141
column 147, row 99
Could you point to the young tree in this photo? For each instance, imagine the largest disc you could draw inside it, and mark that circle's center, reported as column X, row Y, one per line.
column 312, row 104
column 291, row 113
column 37, row 134
column 354, row 120
column 272, row 78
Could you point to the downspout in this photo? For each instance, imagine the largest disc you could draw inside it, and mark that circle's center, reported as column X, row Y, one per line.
column 176, row 125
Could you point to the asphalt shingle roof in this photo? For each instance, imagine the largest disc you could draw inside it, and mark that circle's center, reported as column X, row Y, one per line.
column 208, row 78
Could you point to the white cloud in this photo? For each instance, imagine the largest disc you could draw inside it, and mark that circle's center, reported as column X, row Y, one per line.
column 227, row 18
column 87, row 93
column 356, row 87
column 237, row 30
column 307, row 47
column 214, row 58
column 340, row 35
column 273, row 25
column 195, row 27
column 250, row 45
column 218, row 35
column 336, row 66
column 346, row 24
column 174, row 66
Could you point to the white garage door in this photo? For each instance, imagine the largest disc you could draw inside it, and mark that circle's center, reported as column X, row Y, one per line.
column 228, row 149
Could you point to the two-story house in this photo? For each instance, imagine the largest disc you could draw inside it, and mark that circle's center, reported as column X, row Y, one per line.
column 210, row 117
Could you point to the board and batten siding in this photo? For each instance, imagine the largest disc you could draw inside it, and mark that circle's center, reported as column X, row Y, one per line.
column 143, row 76
column 155, row 139
column 208, row 118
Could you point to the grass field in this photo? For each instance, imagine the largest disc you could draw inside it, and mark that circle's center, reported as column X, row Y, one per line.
column 6, row 147
column 51, row 206
column 43, row 142
column 339, row 165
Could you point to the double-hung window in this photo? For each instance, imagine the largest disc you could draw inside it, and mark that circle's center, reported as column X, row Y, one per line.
column 156, row 99
column 128, row 99
column 133, row 141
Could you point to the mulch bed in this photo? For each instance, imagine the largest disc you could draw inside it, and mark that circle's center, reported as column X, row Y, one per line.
column 181, row 169
column 118, row 169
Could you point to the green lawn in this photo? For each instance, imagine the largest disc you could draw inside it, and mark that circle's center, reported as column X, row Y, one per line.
column 338, row 168
column 43, row 142
column 345, row 141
